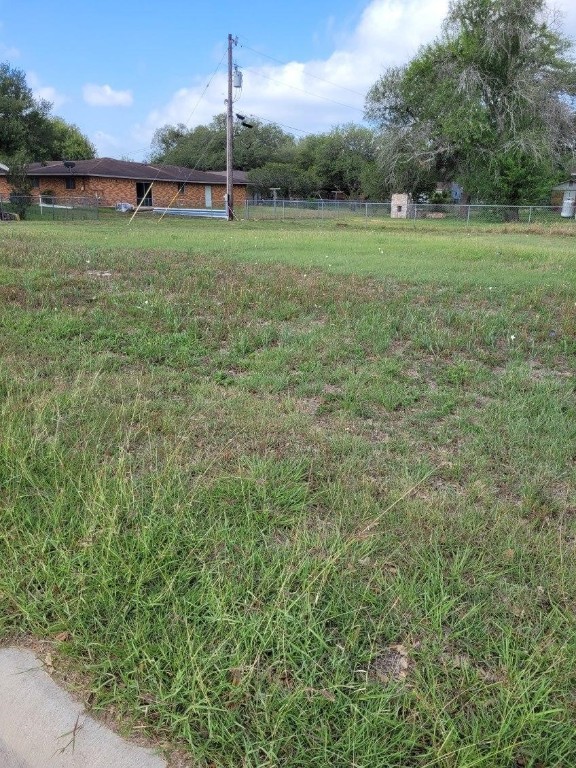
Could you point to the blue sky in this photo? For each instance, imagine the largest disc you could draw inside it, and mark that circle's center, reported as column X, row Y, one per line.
column 119, row 69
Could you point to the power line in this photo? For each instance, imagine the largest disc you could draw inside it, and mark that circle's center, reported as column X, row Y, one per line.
column 255, row 71
column 308, row 74
column 281, row 125
column 188, row 119
column 303, row 90
column 205, row 89
column 202, row 155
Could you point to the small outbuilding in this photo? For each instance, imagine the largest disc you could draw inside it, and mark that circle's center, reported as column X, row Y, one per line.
column 400, row 205
column 565, row 192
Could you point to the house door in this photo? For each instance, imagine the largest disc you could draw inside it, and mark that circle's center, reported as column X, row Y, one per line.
column 144, row 193
column 208, row 196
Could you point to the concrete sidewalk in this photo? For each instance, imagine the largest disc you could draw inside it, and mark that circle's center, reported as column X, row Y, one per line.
column 41, row 726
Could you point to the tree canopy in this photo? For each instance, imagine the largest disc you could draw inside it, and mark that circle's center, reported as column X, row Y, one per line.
column 28, row 130
column 491, row 105
column 23, row 118
column 68, row 142
column 342, row 159
column 204, row 147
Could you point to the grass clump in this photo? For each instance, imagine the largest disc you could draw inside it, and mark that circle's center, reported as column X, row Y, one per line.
column 287, row 518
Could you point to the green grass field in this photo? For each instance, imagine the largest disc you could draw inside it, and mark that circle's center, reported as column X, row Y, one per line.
column 296, row 494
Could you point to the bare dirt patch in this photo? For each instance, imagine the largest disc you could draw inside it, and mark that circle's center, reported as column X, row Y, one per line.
column 390, row 666
column 14, row 295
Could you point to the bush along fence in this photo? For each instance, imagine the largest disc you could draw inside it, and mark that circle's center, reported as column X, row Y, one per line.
column 48, row 207
column 415, row 212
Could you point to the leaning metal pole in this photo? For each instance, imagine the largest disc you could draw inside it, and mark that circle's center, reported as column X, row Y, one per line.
column 229, row 137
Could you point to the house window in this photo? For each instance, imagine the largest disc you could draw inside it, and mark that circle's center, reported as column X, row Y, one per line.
column 144, row 193
column 208, row 196
column 181, row 187
column 70, row 182
column 35, row 182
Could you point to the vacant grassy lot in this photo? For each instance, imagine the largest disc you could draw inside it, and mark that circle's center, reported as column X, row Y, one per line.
column 297, row 495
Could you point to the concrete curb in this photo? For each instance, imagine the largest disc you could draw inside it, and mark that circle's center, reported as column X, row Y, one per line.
column 41, row 726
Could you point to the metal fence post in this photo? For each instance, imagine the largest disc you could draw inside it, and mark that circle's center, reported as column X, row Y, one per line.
column 322, row 209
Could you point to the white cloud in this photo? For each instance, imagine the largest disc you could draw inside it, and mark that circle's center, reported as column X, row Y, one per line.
column 51, row 94
column 105, row 96
column 105, row 143
column 9, row 52
column 314, row 96
column 47, row 92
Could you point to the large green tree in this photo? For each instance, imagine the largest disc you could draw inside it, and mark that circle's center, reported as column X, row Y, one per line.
column 165, row 139
column 340, row 160
column 27, row 129
column 21, row 184
column 289, row 179
column 68, row 142
column 491, row 104
column 343, row 159
column 23, row 119
column 204, row 147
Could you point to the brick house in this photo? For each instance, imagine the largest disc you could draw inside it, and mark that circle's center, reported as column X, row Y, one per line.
column 115, row 181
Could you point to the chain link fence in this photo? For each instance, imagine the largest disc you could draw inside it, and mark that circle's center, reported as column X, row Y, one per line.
column 416, row 212
column 486, row 214
column 49, row 207
column 314, row 209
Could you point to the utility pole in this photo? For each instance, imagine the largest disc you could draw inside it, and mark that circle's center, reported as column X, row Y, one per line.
column 229, row 136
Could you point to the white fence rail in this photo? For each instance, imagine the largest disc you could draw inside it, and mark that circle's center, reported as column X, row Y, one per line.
column 210, row 213
column 48, row 206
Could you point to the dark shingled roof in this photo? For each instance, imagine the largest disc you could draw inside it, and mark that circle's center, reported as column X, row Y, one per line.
column 107, row 167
